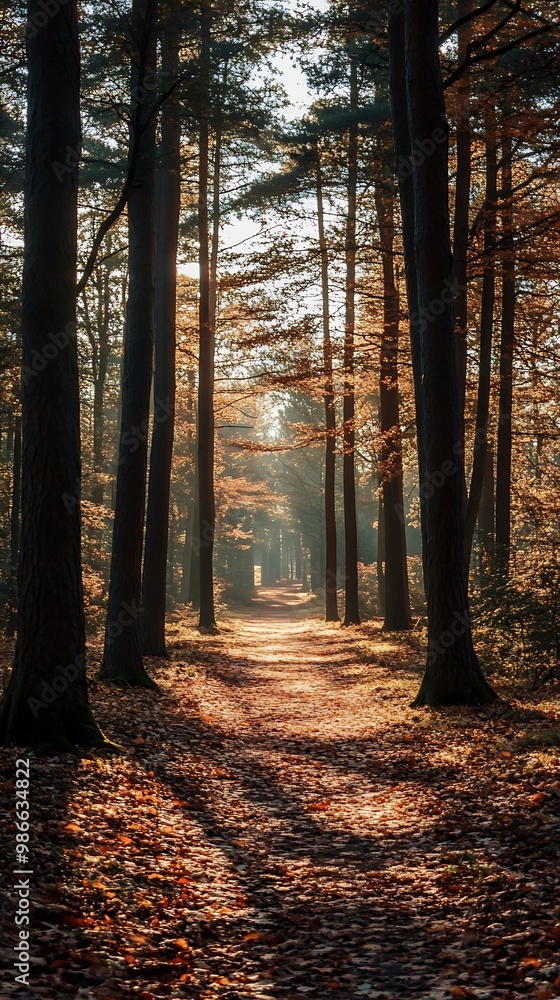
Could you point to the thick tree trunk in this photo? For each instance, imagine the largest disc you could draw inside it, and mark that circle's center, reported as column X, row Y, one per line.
column 461, row 219
column 397, row 601
column 452, row 675
column 486, row 331
column 46, row 702
column 331, row 576
column 351, row 609
column 503, row 463
column 403, row 153
column 122, row 660
column 207, row 508
column 168, row 193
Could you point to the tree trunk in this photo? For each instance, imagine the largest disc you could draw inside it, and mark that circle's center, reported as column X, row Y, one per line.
column 15, row 515
column 101, row 353
column 503, row 463
column 486, row 520
column 165, row 305
column 122, row 660
column 351, row 610
column 331, row 576
column 486, row 331
column 461, row 220
column 46, row 701
column 381, row 554
column 403, row 153
column 16, row 498
column 207, row 510
column 452, row 675
column 397, row 601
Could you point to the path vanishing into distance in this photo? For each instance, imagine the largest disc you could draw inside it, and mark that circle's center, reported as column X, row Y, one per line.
column 283, row 824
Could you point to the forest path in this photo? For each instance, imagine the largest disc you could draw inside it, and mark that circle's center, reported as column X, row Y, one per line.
column 281, row 824
column 338, row 823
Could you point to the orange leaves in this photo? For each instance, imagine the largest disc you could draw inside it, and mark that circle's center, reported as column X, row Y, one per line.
column 181, row 943
column 72, row 828
column 531, row 963
column 124, row 839
column 534, row 801
column 252, row 936
column 319, row 806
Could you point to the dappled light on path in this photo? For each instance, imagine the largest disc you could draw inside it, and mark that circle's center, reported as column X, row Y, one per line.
column 283, row 824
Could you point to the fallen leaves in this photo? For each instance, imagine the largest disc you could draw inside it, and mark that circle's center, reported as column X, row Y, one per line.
column 287, row 826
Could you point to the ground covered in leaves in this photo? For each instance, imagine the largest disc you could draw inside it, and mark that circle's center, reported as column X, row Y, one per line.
column 282, row 824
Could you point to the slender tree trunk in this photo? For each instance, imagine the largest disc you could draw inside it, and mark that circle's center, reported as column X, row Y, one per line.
column 397, row 601
column 503, row 464
column 381, row 551
column 331, row 576
column 100, row 364
column 452, row 675
column 165, row 305
column 99, row 423
column 461, row 220
column 486, row 519
column 46, row 702
column 486, row 331
column 207, row 510
column 15, row 524
column 403, row 153
column 184, row 590
column 122, row 660
column 351, row 609
column 16, row 497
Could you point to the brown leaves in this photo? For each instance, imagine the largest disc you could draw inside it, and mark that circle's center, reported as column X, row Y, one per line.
column 286, row 824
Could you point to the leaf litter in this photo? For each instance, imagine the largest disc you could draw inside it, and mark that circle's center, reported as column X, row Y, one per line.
column 282, row 824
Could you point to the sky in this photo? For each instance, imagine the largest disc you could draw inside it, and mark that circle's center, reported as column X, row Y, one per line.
column 300, row 97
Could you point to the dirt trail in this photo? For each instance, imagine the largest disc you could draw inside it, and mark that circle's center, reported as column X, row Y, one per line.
column 338, row 825
column 284, row 825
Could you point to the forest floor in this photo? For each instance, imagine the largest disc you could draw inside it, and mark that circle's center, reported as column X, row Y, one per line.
column 280, row 823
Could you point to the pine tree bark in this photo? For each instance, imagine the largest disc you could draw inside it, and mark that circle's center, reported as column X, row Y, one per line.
column 503, row 461
column 396, row 594
column 486, row 333
column 486, row 521
column 207, row 508
column 331, row 576
column 168, row 194
column 461, row 219
column 404, row 169
column 46, row 702
column 452, row 674
column 122, row 659
column 351, row 609
column 16, row 498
